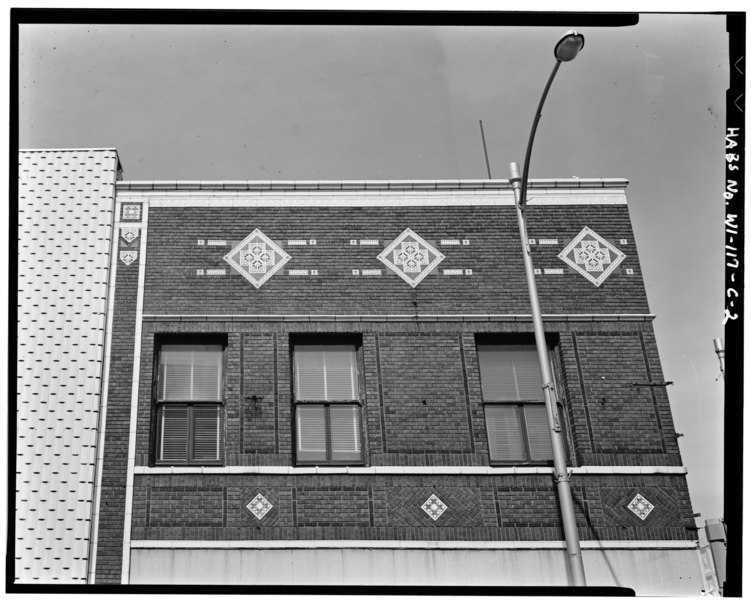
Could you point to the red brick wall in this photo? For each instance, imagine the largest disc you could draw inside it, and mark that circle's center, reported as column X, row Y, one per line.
column 423, row 400
column 387, row 507
column 497, row 284
column 112, row 503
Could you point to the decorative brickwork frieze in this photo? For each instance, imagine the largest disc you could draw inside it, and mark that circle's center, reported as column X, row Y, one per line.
column 356, row 507
column 497, row 283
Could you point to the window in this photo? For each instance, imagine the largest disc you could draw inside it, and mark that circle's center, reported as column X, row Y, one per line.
column 327, row 410
column 189, row 404
column 515, row 414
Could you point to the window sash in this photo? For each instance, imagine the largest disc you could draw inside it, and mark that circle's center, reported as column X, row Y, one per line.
column 328, row 434
column 190, row 373
column 189, row 433
column 510, row 373
column 518, row 433
column 326, row 373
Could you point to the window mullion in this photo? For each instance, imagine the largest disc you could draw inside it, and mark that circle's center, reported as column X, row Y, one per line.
column 325, row 378
column 192, row 373
column 525, row 435
column 327, row 429
column 189, row 440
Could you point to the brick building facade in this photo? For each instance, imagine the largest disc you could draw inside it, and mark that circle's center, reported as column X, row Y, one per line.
column 335, row 382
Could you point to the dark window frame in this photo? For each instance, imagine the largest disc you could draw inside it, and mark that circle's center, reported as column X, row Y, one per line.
column 528, row 461
column 329, row 461
column 157, row 405
column 523, row 339
column 354, row 340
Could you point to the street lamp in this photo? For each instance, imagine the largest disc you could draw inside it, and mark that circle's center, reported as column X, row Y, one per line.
column 565, row 50
column 719, row 348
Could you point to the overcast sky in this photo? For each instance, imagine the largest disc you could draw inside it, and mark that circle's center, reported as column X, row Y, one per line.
column 300, row 102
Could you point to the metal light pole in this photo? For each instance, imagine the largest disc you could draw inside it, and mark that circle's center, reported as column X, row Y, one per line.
column 566, row 49
column 719, row 348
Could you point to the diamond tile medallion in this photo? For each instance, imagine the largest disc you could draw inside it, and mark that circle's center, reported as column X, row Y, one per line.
column 434, row 507
column 257, row 258
column 128, row 256
column 592, row 256
column 259, row 506
column 129, row 233
column 411, row 257
column 640, row 506
column 131, row 212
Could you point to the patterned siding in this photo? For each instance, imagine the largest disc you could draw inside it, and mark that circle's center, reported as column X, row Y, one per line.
column 66, row 203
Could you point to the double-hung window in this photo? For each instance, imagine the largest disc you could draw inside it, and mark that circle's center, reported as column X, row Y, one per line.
column 327, row 409
column 514, row 401
column 189, row 404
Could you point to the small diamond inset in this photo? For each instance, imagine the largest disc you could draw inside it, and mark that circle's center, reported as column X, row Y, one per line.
column 434, row 507
column 129, row 233
column 640, row 506
column 592, row 256
column 257, row 258
column 411, row 257
column 128, row 256
column 259, row 506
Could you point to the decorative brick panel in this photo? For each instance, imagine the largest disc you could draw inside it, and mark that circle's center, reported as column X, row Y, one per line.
column 497, row 283
column 423, row 394
column 463, row 508
column 356, row 507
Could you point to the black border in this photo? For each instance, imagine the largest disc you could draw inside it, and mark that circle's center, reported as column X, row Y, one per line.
column 733, row 329
column 734, row 304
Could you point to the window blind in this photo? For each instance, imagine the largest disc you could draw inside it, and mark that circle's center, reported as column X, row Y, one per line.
column 345, row 432
column 172, row 433
column 190, row 373
column 311, row 433
column 518, row 433
column 326, row 373
column 510, row 373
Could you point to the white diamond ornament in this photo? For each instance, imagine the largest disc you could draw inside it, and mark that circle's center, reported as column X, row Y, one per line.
column 257, row 258
column 434, row 507
column 592, row 256
column 411, row 257
column 640, row 506
column 259, row 506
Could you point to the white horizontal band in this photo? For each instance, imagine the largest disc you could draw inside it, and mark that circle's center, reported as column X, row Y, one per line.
column 406, row 318
column 411, row 544
column 389, row 470
column 200, row 199
column 374, row 184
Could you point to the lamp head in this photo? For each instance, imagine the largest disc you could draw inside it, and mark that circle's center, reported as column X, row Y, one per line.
column 569, row 46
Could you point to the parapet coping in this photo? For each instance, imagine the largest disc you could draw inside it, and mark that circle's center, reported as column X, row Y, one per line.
column 405, row 317
column 353, row 185
column 406, row 470
column 413, row 544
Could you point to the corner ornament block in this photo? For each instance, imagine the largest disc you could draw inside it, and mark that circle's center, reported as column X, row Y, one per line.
column 592, row 256
column 411, row 257
column 257, row 258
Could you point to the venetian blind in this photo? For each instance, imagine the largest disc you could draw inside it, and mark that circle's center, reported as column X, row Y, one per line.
column 345, row 432
column 311, row 432
column 510, row 373
column 190, row 373
column 326, row 373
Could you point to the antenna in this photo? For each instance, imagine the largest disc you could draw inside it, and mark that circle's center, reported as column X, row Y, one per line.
column 485, row 149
